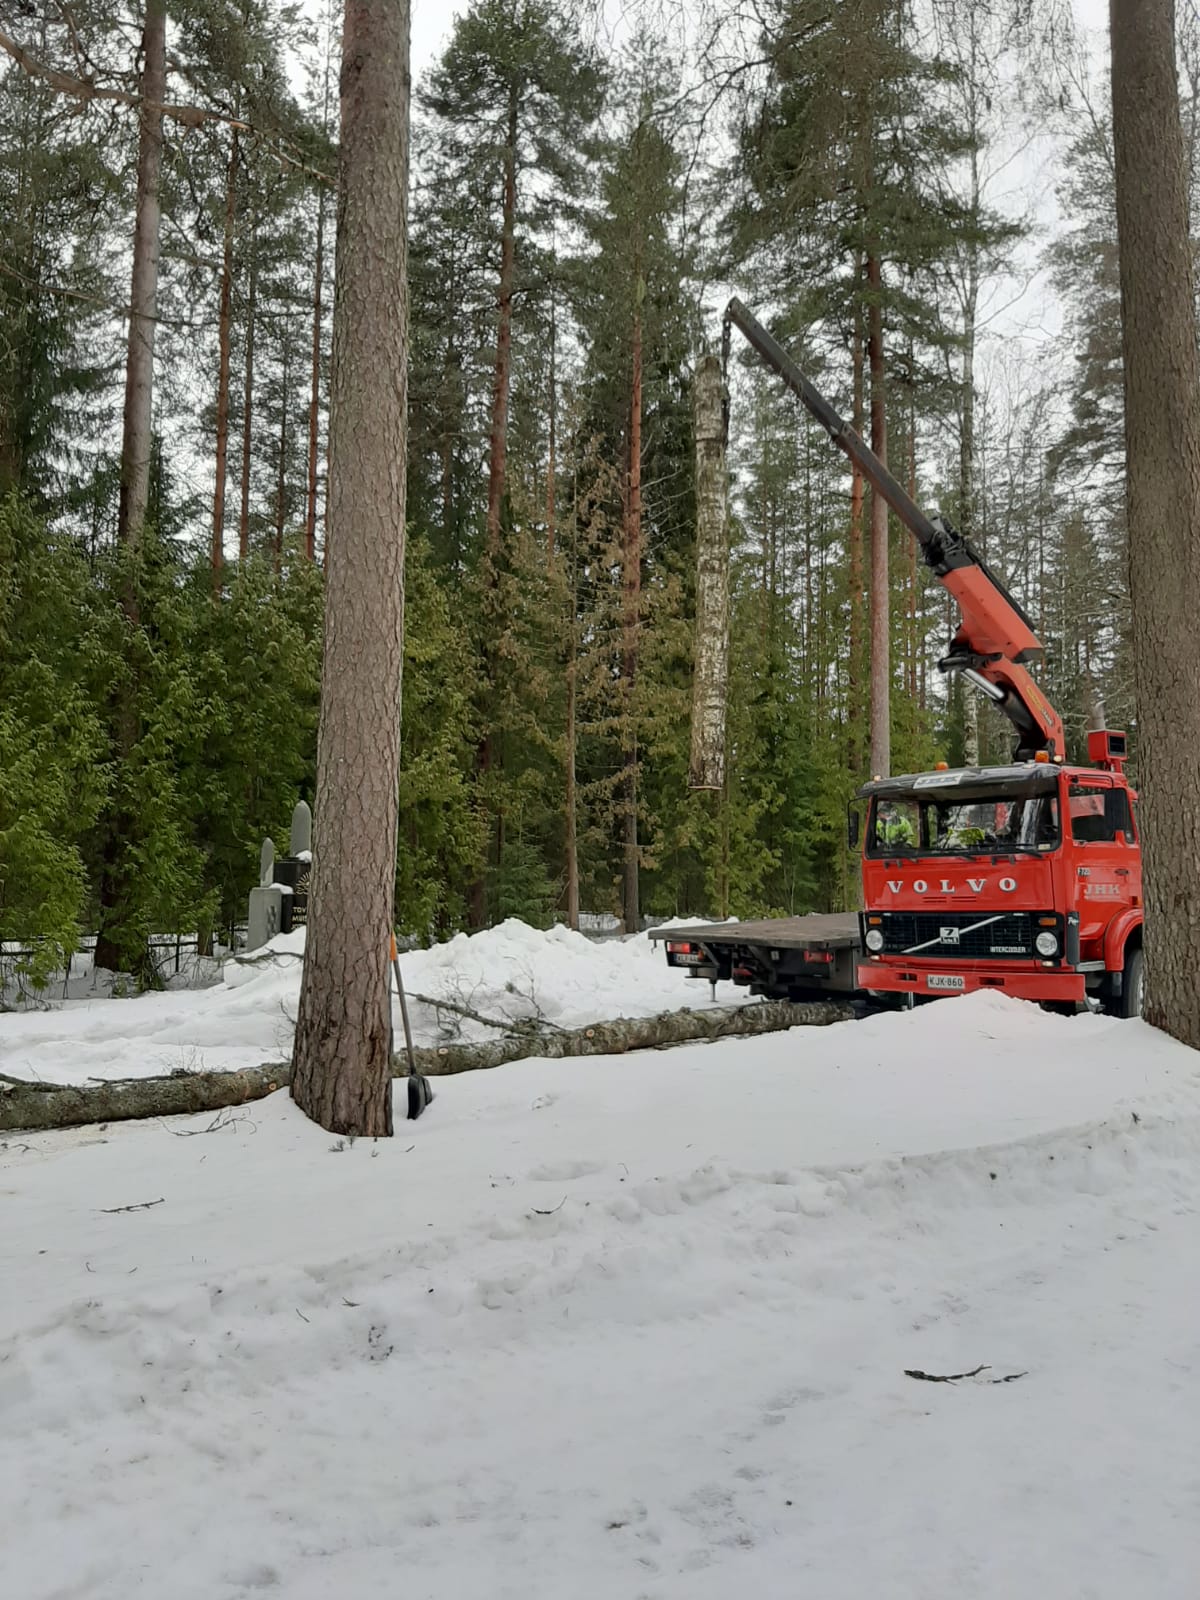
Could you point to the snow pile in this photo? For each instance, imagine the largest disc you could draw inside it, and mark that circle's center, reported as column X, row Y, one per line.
column 627, row 1327
column 508, row 972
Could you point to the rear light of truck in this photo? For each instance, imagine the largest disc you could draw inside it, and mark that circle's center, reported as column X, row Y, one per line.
column 818, row 955
column 681, row 949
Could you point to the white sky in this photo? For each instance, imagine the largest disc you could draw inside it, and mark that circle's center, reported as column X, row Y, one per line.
column 431, row 24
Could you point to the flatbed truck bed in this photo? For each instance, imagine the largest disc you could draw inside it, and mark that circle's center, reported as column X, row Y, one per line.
column 783, row 958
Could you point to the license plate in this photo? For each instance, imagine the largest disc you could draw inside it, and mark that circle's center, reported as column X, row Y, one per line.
column 693, row 959
column 943, row 980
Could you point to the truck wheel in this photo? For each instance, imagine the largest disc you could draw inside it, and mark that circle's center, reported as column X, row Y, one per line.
column 1131, row 988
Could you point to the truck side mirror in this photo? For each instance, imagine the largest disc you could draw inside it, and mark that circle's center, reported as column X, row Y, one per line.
column 852, row 822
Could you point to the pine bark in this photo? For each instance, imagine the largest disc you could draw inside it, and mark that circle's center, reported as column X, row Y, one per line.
column 137, row 430
column 1162, row 441
column 710, row 679
column 223, row 330
column 881, row 671
column 341, row 1060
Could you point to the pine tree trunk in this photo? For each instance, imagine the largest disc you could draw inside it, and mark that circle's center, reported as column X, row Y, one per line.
column 223, row 320
column 137, row 433
column 710, row 676
column 1162, row 440
column 486, row 754
column 342, row 1057
column 248, row 408
column 314, row 398
column 881, row 680
column 632, row 587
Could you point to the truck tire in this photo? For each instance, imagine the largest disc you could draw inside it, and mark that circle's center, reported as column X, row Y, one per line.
column 1130, row 1003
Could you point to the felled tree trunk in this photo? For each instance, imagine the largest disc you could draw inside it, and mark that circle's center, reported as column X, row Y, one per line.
column 25, row 1107
column 710, row 682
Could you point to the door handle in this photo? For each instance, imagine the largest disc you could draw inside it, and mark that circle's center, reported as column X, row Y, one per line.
column 1122, row 872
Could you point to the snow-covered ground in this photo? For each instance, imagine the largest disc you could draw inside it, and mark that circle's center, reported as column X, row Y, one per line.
column 627, row 1329
column 246, row 1016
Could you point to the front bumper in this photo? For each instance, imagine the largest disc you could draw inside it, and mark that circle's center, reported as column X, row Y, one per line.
column 895, row 975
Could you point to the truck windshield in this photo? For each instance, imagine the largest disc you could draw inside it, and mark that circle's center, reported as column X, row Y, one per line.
column 907, row 826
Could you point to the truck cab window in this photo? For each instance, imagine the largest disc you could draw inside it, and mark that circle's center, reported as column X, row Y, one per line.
column 1119, row 818
column 1095, row 816
column 895, row 826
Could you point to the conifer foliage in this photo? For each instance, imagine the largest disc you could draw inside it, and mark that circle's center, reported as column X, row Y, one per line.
column 580, row 207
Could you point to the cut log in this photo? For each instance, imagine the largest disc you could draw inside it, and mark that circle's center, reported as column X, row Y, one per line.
column 710, row 682
column 40, row 1105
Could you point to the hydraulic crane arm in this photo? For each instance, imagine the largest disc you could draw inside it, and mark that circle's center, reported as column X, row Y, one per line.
column 995, row 638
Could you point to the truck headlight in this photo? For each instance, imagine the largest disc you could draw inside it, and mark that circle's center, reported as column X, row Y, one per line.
column 874, row 939
column 1046, row 944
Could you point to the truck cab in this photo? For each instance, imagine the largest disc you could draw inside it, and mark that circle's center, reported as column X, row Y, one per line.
column 1023, row 878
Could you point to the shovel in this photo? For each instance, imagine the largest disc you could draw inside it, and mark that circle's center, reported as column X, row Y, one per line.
column 419, row 1092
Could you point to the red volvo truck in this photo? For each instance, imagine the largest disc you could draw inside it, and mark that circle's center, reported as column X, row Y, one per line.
column 1024, row 878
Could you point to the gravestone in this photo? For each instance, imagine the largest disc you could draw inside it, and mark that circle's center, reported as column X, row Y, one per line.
column 265, row 916
column 293, row 871
column 280, row 902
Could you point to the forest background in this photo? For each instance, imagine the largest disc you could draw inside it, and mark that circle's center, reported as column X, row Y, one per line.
column 917, row 194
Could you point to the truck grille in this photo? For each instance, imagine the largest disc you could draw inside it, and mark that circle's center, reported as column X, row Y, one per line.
column 949, row 934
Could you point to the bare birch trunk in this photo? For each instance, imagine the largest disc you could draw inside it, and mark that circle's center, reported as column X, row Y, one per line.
column 342, row 1056
column 881, row 671
column 571, row 804
column 223, row 320
column 137, row 433
column 118, row 945
column 498, row 444
column 632, row 585
column 855, row 669
column 281, row 460
column 552, row 463
column 710, row 681
column 314, row 397
column 1162, row 441
column 248, row 410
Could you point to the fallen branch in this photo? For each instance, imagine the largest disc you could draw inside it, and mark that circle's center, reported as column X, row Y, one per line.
column 180, row 1093
column 942, row 1377
column 953, row 1377
column 525, row 1028
column 142, row 1205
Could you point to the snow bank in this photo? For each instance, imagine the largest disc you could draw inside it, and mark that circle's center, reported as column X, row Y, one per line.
column 627, row 1327
column 509, row 972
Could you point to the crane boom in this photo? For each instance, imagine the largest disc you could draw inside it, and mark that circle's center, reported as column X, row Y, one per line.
column 995, row 641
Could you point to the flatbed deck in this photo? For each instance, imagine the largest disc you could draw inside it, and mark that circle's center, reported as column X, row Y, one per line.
column 837, row 930
column 784, row 958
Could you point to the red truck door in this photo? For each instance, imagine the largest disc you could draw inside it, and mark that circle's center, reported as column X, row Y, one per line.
column 1103, row 856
